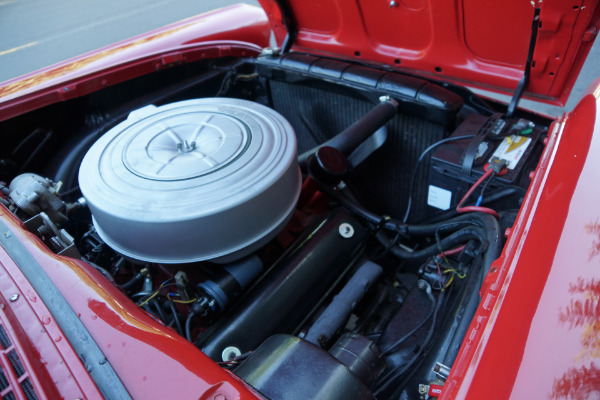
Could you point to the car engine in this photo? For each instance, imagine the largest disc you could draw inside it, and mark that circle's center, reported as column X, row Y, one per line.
column 320, row 228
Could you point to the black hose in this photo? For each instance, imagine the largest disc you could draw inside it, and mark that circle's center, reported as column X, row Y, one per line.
column 479, row 219
column 350, row 203
column 188, row 326
column 453, row 240
column 67, row 169
column 352, row 137
column 357, row 209
column 132, row 282
column 493, row 237
column 303, row 158
column 483, row 227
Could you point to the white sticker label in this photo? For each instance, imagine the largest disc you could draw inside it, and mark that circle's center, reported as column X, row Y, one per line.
column 439, row 198
column 511, row 150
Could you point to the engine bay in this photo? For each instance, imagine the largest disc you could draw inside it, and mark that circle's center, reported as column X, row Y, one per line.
column 284, row 212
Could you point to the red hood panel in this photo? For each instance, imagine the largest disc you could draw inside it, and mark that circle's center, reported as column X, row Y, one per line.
column 480, row 43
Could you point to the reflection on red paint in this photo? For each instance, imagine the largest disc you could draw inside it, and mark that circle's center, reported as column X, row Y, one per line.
column 593, row 228
column 583, row 312
column 585, row 307
column 578, row 384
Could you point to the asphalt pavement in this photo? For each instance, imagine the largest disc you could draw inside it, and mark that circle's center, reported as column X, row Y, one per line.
column 38, row 33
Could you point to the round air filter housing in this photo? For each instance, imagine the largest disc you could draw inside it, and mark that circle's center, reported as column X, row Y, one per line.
column 212, row 178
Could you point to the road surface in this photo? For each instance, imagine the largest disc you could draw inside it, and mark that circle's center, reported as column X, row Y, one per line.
column 38, row 33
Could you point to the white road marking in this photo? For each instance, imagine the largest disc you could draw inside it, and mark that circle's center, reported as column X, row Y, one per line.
column 17, row 48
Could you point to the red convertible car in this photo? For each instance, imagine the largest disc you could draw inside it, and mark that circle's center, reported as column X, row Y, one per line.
column 307, row 201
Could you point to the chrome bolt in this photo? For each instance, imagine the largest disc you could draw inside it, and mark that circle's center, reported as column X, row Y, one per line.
column 346, row 230
column 386, row 98
column 186, row 147
column 14, row 297
column 441, row 370
column 271, row 51
column 229, row 353
column 424, row 285
column 393, row 3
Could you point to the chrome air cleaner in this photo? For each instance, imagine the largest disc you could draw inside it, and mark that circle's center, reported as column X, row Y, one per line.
column 212, row 178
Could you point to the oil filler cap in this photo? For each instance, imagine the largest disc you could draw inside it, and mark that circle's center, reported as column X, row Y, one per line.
column 211, row 178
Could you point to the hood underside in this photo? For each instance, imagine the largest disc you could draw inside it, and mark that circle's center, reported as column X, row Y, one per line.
column 483, row 44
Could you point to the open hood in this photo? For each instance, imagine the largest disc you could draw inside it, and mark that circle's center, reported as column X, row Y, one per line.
column 483, row 44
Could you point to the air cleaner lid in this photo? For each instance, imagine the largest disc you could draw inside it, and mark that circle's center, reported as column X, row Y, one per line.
column 192, row 180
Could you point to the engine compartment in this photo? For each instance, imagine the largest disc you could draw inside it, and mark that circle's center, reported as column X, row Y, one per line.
column 371, row 269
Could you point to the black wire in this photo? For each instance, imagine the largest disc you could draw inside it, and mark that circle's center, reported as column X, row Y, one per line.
column 242, row 357
column 27, row 138
column 485, row 185
column 388, row 248
column 158, row 309
column 398, row 342
column 35, row 152
column 421, row 157
column 178, row 326
column 70, row 191
column 225, row 83
column 393, row 374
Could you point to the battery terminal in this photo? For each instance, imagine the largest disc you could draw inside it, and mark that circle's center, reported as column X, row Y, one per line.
column 497, row 164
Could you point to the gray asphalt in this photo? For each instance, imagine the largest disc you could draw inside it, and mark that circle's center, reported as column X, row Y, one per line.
column 38, row 33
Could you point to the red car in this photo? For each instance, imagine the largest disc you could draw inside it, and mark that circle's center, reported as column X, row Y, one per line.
column 307, row 202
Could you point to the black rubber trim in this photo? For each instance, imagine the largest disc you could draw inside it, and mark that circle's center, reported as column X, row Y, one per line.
column 100, row 370
column 416, row 96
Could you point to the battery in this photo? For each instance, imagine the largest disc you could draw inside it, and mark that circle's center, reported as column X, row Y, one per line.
column 455, row 166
